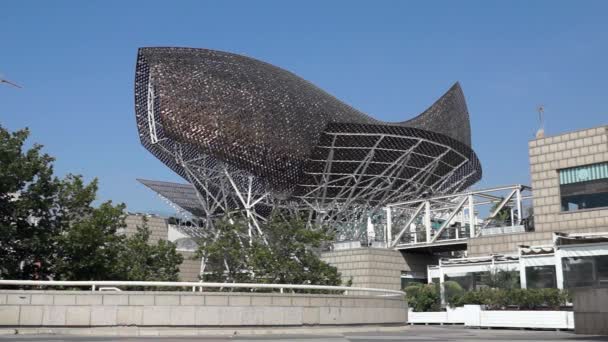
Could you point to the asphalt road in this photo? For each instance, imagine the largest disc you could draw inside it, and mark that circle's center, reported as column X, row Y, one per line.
column 414, row 333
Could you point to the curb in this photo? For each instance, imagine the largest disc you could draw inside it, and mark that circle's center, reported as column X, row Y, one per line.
column 167, row 332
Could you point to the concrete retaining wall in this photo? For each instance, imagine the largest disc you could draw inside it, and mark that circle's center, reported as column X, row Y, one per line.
column 85, row 308
column 591, row 311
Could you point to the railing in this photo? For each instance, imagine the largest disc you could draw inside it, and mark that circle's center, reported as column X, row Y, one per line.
column 502, row 230
column 448, row 234
column 437, row 215
column 94, row 285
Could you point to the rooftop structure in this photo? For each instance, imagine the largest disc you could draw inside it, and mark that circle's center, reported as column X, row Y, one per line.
column 251, row 137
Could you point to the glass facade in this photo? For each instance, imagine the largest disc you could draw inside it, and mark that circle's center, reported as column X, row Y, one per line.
column 468, row 281
column 584, row 187
column 585, row 271
column 539, row 277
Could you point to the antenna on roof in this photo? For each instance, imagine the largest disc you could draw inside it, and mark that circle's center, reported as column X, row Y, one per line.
column 541, row 130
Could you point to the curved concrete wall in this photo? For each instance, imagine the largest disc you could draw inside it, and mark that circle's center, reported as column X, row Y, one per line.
column 85, row 309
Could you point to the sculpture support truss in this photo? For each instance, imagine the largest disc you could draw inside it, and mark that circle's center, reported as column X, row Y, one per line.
column 251, row 138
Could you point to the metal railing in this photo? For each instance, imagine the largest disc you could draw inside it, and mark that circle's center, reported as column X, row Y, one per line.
column 454, row 217
column 94, row 285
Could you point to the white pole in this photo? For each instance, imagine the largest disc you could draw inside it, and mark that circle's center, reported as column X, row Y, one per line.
column 519, row 213
column 559, row 270
column 441, row 288
column 427, row 220
column 471, row 217
column 522, row 271
column 389, row 226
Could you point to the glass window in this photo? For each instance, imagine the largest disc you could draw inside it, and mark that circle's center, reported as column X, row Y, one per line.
column 584, row 187
column 465, row 280
column 469, row 281
column 539, row 277
column 585, row 271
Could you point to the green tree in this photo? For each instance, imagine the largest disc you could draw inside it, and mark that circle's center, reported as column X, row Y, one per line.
column 140, row 260
column 225, row 255
column 288, row 257
column 49, row 228
column 27, row 201
column 90, row 247
column 285, row 254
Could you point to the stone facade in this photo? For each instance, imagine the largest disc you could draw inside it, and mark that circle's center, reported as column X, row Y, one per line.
column 190, row 268
column 376, row 267
column 157, row 225
column 591, row 311
column 93, row 309
column 547, row 156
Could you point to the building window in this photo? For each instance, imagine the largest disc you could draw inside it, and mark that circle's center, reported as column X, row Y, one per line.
column 469, row 281
column 585, row 271
column 584, row 187
column 541, row 277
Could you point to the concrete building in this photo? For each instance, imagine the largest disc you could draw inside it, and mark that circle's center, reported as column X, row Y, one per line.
column 568, row 195
column 578, row 155
column 568, row 245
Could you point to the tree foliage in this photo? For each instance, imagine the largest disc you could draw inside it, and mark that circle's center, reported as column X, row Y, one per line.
column 283, row 255
column 50, row 229
column 142, row 261
column 27, row 205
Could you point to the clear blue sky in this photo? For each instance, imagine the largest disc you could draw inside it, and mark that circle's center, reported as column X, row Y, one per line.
column 390, row 59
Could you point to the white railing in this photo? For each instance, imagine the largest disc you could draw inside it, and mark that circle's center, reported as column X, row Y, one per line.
column 417, row 219
column 502, row 230
column 94, row 284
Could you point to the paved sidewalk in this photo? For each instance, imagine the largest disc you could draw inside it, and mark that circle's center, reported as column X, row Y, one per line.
column 413, row 333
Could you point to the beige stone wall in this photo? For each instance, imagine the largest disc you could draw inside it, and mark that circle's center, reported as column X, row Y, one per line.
column 550, row 154
column 190, row 269
column 505, row 244
column 111, row 309
column 376, row 267
column 591, row 311
column 547, row 156
column 157, row 225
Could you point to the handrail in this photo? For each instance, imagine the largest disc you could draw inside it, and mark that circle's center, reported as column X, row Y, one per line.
column 195, row 285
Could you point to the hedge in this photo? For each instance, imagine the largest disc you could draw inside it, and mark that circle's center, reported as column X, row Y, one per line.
column 427, row 298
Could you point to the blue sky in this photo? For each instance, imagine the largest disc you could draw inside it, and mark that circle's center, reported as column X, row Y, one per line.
column 391, row 59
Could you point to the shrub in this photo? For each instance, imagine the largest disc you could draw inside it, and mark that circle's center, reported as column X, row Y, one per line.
column 452, row 292
column 423, row 297
column 523, row 299
column 469, row 297
column 426, row 297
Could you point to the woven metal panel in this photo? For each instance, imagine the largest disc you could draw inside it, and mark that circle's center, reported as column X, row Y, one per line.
column 216, row 117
